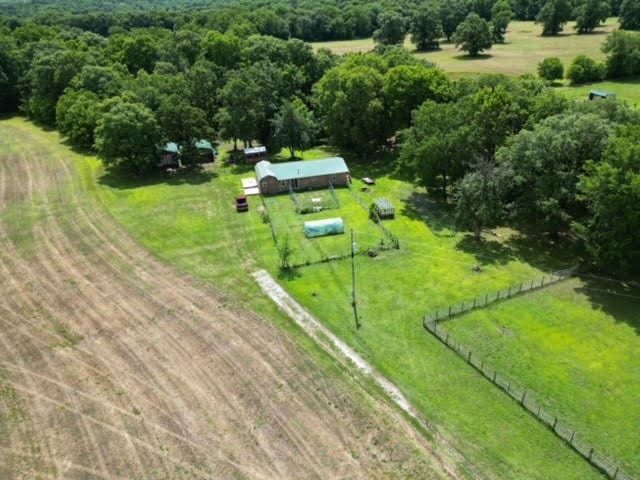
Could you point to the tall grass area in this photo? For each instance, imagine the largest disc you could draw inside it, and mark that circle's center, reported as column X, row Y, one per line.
column 577, row 346
column 523, row 49
column 190, row 221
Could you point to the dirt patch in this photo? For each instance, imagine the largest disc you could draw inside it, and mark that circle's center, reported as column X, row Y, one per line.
column 122, row 367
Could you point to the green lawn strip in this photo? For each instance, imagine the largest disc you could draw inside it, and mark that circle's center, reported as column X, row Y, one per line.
column 577, row 352
column 523, row 50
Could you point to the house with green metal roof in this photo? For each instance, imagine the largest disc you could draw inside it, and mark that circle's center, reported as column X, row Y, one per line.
column 301, row 175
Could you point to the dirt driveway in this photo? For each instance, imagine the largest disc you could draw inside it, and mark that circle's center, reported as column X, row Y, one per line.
column 114, row 365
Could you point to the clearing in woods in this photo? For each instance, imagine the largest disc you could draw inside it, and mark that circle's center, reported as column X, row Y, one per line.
column 115, row 365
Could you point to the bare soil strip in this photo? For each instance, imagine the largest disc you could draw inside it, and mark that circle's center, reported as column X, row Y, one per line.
column 114, row 365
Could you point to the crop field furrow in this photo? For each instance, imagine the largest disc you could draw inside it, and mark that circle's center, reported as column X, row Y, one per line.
column 115, row 365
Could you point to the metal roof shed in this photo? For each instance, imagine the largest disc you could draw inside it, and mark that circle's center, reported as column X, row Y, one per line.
column 383, row 207
column 301, row 169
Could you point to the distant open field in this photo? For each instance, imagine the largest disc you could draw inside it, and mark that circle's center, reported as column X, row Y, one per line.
column 523, row 50
column 116, row 365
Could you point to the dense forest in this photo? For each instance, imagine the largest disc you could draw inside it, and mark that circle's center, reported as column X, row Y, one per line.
column 126, row 79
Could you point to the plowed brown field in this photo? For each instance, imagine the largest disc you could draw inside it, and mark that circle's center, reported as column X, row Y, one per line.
column 115, row 365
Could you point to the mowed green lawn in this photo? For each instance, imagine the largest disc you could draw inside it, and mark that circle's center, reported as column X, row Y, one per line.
column 578, row 347
column 523, row 49
column 190, row 221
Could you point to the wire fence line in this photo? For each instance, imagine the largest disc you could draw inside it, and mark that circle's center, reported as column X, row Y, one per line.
column 482, row 301
column 527, row 400
column 391, row 238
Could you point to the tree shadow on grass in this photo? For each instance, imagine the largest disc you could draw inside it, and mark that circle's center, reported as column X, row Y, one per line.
column 469, row 58
column 536, row 250
column 486, row 251
column 436, row 214
column 122, row 178
column 620, row 300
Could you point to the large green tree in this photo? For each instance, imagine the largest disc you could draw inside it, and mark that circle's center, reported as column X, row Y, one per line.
column 392, row 29
column 77, row 114
column 350, row 101
column 10, row 71
column 294, row 126
column 546, row 163
column 426, row 28
column 611, row 190
column 630, row 15
column 436, row 149
column 452, row 14
column 589, row 14
column 128, row 133
column 473, row 35
column 501, row 15
column 623, row 53
column 551, row 69
column 553, row 15
column 478, row 198
column 406, row 87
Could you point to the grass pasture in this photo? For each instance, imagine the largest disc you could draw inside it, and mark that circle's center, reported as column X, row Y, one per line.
column 523, row 49
column 576, row 345
column 191, row 222
column 627, row 89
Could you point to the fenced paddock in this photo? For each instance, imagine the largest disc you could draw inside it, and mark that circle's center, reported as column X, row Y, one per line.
column 285, row 222
column 576, row 344
column 527, row 399
column 314, row 201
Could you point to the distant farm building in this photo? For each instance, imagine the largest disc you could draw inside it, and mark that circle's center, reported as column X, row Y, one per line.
column 169, row 156
column 255, row 154
column 280, row 177
column 600, row 95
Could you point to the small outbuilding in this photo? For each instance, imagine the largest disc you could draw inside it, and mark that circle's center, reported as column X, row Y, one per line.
column 383, row 208
column 255, row 154
column 305, row 174
column 600, row 95
column 206, row 152
column 169, row 158
column 321, row 228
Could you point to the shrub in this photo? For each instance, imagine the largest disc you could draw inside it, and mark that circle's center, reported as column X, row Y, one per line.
column 551, row 69
column 584, row 69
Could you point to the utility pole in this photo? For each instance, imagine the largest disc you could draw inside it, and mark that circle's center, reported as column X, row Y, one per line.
column 354, row 302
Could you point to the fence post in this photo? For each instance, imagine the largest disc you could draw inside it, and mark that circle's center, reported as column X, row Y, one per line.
column 590, row 453
column 446, row 340
column 508, row 386
column 531, row 284
column 509, row 291
column 474, row 303
column 615, row 475
column 469, row 357
column 542, row 283
column 495, row 373
column 520, row 289
column 486, row 298
column 498, row 295
column 555, row 422
column 524, row 394
column 573, row 434
column 449, row 310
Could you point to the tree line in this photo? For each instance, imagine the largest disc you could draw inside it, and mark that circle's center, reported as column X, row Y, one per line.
column 500, row 150
column 314, row 20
